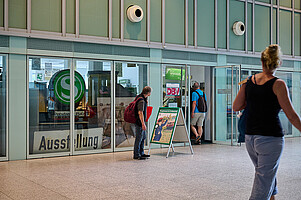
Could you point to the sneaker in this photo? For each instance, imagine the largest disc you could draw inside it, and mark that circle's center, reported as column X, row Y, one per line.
column 198, row 138
column 145, row 156
column 139, row 158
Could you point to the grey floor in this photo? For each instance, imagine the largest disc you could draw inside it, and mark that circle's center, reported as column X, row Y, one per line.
column 213, row 172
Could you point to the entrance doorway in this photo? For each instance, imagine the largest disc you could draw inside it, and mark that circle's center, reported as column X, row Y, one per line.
column 226, row 81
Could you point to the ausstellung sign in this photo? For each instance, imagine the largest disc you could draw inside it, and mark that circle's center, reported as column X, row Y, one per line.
column 60, row 84
column 58, row 141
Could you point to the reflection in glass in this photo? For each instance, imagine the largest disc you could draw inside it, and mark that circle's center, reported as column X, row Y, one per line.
column 3, row 106
column 93, row 105
column 130, row 80
column 49, row 105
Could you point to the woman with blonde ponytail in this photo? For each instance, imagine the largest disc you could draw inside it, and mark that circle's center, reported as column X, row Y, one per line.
column 265, row 95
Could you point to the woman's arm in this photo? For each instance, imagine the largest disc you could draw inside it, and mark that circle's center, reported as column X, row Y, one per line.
column 240, row 100
column 281, row 91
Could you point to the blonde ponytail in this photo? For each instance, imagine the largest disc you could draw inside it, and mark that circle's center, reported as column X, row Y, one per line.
column 271, row 57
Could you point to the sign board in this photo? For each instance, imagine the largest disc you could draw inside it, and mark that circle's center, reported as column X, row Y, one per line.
column 174, row 74
column 170, row 126
column 58, row 141
column 172, row 89
column 59, row 86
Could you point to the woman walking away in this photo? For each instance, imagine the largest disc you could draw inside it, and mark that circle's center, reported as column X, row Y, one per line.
column 265, row 95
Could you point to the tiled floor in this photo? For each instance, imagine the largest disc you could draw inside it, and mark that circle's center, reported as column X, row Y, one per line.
column 213, row 172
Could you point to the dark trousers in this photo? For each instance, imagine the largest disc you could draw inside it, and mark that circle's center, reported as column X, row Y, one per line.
column 139, row 141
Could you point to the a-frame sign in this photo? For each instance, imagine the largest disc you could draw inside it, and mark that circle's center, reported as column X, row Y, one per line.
column 170, row 127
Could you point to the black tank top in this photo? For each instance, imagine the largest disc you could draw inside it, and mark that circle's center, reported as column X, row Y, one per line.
column 263, row 109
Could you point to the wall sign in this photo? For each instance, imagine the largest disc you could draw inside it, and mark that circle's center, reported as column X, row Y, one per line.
column 172, row 89
column 60, row 86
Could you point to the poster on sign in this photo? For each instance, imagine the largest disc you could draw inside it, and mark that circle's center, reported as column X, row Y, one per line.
column 172, row 89
column 170, row 127
column 164, row 126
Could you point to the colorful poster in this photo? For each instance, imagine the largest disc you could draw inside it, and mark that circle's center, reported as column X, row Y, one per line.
column 165, row 125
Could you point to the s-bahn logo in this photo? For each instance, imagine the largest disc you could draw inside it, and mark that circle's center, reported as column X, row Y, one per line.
column 59, row 85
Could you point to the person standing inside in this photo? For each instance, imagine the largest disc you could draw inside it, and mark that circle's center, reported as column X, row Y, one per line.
column 139, row 126
column 265, row 95
column 198, row 111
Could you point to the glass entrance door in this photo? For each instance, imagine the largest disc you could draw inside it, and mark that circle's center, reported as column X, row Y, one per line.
column 226, row 81
column 176, row 88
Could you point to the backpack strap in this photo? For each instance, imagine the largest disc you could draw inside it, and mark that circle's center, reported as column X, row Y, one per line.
column 198, row 93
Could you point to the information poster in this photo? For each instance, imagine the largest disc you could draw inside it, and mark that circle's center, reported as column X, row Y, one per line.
column 172, row 89
column 165, row 125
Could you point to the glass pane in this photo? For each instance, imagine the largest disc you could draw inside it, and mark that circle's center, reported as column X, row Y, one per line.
column 173, row 86
column 175, row 12
column 285, row 32
column 93, row 17
column 297, row 34
column 17, row 11
column 297, row 4
column 265, row 1
column 49, row 105
column 286, row 125
column 190, row 22
column 135, row 31
column 92, row 98
column 3, row 93
column 155, row 21
column 275, row 26
column 205, row 20
column 286, row 3
column 222, row 24
column 237, row 13
column 46, row 15
column 225, row 92
column 1, row 13
column 116, row 19
column 70, row 16
column 250, row 27
column 262, row 27
column 130, row 80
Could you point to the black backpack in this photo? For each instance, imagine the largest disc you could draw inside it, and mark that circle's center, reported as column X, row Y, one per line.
column 202, row 104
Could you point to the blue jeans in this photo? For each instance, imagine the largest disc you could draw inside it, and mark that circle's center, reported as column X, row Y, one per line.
column 265, row 153
column 139, row 141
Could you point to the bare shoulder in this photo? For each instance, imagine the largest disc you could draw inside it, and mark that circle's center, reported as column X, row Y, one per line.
column 279, row 87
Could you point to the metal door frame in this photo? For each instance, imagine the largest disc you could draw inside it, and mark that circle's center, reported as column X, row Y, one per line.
column 232, row 99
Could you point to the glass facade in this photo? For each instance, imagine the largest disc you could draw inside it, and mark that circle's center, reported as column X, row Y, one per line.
column 49, row 105
column 3, row 114
column 92, row 107
column 130, row 80
column 54, row 124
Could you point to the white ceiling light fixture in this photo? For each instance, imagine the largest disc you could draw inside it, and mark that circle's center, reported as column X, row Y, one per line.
column 239, row 28
column 134, row 13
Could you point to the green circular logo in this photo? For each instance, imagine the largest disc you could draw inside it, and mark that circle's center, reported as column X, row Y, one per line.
column 61, row 86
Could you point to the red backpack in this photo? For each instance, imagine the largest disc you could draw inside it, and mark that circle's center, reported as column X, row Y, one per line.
column 129, row 113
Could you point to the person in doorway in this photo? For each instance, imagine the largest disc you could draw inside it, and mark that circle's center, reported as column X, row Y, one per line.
column 198, row 111
column 264, row 95
column 139, row 126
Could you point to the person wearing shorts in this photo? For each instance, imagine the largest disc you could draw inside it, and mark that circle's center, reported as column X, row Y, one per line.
column 197, row 117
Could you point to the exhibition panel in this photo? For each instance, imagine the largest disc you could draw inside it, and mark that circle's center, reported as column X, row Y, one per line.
column 92, row 105
column 3, row 107
column 49, row 105
column 130, row 78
